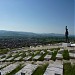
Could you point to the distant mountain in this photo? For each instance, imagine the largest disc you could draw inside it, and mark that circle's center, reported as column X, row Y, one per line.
column 15, row 33
column 28, row 34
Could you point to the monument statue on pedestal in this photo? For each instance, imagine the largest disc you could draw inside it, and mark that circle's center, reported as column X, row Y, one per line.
column 66, row 44
column 66, row 35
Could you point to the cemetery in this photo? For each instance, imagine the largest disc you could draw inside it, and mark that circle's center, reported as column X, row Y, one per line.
column 32, row 61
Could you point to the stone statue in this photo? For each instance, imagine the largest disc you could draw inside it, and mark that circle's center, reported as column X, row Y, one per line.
column 66, row 35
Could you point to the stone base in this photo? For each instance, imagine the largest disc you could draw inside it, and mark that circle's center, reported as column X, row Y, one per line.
column 66, row 44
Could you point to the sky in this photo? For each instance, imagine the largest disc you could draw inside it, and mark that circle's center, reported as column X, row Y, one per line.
column 38, row 16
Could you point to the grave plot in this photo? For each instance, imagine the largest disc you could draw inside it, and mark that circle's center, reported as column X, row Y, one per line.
column 8, row 69
column 54, row 69
column 72, row 54
column 40, row 69
column 35, row 53
column 27, row 58
column 13, row 72
column 3, row 59
column 48, row 55
column 10, row 59
column 59, row 54
column 3, row 65
column 27, row 70
column 36, row 57
column 18, row 58
column 14, row 54
column 43, row 55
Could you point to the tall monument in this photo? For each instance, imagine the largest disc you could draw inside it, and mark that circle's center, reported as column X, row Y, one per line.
column 66, row 44
column 66, row 36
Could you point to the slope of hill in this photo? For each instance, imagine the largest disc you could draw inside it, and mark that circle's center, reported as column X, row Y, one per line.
column 15, row 33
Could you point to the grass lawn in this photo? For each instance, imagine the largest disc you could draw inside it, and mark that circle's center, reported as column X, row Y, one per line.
column 43, row 55
column 54, row 55
column 34, row 55
column 66, row 55
column 3, row 51
column 69, row 69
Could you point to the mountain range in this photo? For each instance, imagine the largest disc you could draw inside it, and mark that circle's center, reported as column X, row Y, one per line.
column 18, row 33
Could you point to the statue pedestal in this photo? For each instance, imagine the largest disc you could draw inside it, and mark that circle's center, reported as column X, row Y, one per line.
column 66, row 44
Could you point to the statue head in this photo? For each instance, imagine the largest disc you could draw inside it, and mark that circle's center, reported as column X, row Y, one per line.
column 66, row 27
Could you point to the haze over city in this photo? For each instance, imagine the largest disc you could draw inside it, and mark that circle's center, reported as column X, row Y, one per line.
column 38, row 16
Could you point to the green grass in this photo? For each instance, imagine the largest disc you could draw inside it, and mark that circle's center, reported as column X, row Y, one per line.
column 3, row 51
column 43, row 55
column 40, row 70
column 54, row 55
column 66, row 55
column 73, row 69
column 69, row 69
column 34, row 55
